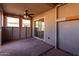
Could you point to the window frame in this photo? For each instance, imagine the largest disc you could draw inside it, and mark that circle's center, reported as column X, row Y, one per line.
column 12, row 17
column 26, row 19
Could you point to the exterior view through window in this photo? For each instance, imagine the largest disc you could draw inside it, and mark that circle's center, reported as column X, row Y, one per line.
column 12, row 22
column 25, row 23
column 39, row 27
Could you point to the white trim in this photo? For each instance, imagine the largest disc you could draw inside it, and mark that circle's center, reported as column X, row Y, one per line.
column 61, row 19
column 57, row 20
column 38, row 38
column 55, row 27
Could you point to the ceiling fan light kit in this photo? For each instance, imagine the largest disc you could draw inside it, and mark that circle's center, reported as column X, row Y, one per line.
column 26, row 16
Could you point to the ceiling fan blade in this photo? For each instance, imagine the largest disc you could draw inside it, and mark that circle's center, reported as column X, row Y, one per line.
column 26, row 12
column 31, row 14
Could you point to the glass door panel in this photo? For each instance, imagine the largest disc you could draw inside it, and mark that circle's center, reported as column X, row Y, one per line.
column 39, row 27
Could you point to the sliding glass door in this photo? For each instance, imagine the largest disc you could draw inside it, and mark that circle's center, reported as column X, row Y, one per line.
column 39, row 27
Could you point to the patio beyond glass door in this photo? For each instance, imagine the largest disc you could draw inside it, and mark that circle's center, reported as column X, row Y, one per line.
column 39, row 28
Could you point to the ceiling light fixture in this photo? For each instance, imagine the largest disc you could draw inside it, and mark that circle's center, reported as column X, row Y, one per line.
column 27, row 15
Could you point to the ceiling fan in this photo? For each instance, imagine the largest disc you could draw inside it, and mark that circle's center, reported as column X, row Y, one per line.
column 27, row 15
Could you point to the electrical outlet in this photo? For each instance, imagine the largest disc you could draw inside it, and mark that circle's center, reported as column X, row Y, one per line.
column 48, row 37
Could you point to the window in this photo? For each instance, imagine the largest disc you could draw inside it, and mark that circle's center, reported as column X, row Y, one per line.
column 12, row 22
column 25, row 23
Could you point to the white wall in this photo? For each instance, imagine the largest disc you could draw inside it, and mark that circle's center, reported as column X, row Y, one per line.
column 49, row 19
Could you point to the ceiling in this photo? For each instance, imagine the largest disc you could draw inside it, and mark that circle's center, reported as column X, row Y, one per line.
column 19, row 8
